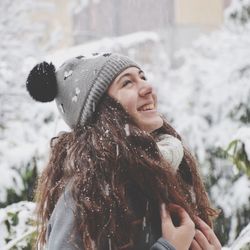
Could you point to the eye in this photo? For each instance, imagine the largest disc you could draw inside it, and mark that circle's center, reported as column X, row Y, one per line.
column 126, row 83
column 144, row 78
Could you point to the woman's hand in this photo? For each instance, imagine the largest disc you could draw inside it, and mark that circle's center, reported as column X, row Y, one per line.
column 180, row 234
column 205, row 238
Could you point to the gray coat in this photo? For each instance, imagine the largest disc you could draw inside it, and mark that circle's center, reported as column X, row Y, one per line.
column 61, row 226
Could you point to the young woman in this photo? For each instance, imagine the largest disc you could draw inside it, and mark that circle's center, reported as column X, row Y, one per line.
column 121, row 179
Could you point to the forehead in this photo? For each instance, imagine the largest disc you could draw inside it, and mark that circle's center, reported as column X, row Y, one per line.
column 127, row 72
column 130, row 70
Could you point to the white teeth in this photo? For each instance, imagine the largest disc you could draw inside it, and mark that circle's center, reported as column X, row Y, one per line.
column 147, row 107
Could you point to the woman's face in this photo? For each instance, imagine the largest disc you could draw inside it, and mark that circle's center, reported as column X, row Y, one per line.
column 131, row 89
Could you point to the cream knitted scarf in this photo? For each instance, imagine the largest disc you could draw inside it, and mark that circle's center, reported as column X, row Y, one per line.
column 171, row 149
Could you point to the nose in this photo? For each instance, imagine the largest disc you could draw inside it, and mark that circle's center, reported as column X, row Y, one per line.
column 145, row 89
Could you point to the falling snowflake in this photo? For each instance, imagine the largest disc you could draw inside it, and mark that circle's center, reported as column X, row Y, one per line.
column 127, row 129
column 147, row 237
column 62, row 108
column 77, row 91
column 117, row 150
column 74, row 99
column 110, row 246
column 106, row 190
column 144, row 223
column 67, row 74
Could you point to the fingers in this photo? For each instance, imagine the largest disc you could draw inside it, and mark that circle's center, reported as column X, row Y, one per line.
column 165, row 216
column 195, row 246
column 164, row 213
column 166, row 223
column 201, row 240
column 179, row 236
column 204, row 238
column 209, row 233
column 184, row 218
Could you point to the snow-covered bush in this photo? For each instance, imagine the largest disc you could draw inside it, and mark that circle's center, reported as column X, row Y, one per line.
column 17, row 226
column 238, row 151
column 20, row 48
column 238, row 13
column 28, row 177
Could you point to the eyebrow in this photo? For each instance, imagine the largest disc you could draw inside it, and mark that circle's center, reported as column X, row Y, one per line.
column 129, row 74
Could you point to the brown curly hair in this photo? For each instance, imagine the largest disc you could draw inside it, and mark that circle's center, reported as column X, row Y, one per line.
column 105, row 158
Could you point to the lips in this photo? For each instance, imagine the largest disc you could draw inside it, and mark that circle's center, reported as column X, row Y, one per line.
column 147, row 107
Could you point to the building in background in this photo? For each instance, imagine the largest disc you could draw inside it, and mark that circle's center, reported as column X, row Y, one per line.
column 179, row 21
column 56, row 17
column 119, row 17
column 194, row 17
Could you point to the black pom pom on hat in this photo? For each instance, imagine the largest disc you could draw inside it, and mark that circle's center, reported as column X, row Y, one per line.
column 41, row 82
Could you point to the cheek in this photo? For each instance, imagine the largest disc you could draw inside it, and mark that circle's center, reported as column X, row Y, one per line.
column 128, row 101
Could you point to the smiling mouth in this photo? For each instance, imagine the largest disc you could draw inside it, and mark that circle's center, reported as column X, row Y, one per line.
column 147, row 107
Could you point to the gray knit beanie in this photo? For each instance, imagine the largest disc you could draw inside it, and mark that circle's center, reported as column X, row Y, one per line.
column 78, row 84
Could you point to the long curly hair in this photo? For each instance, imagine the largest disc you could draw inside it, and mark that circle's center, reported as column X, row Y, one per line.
column 104, row 159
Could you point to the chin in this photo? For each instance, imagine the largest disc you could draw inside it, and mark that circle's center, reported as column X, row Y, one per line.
column 153, row 126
